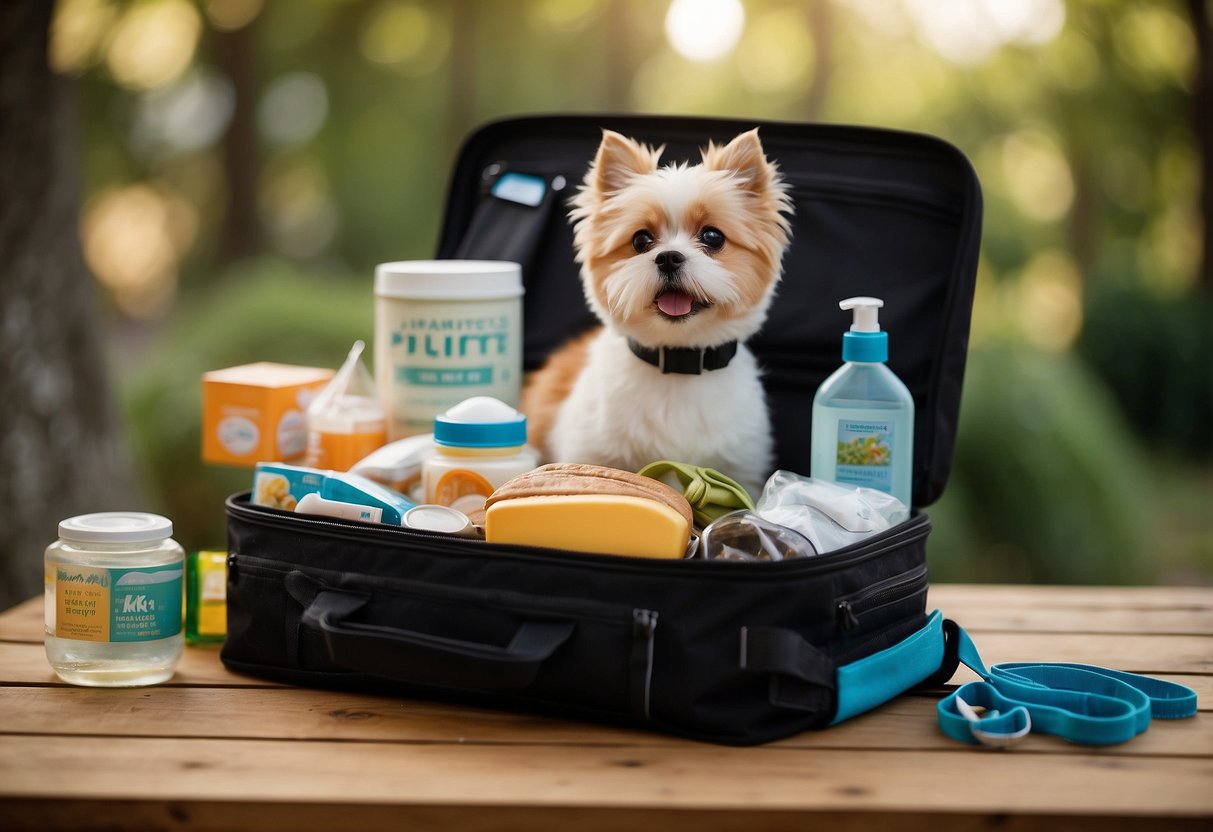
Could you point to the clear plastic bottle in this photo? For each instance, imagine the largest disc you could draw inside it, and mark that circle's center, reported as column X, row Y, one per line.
column 863, row 415
column 113, row 600
column 480, row 443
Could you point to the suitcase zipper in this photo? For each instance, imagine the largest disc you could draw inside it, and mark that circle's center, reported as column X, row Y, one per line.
column 644, row 626
column 847, row 189
column 438, row 544
column 642, row 620
column 880, row 594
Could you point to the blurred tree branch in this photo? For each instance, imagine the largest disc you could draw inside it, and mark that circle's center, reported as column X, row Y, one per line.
column 462, row 113
column 821, row 28
column 240, row 233
column 61, row 442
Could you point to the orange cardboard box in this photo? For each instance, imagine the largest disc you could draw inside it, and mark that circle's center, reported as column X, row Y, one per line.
column 258, row 412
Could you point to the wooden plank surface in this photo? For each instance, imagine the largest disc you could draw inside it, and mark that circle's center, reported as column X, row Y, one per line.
column 23, row 622
column 24, row 663
column 1056, row 609
column 907, row 723
column 215, row 750
column 24, row 815
column 635, row 777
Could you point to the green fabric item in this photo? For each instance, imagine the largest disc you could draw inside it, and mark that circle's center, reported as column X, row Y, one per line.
column 710, row 493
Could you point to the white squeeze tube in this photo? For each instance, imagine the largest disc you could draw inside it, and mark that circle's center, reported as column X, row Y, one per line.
column 315, row 504
column 863, row 415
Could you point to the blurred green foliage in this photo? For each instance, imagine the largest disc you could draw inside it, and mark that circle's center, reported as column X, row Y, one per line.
column 1048, row 484
column 1155, row 353
column 266, row 310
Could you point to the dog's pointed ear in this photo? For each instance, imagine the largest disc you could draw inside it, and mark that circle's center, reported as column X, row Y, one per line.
column 619, row 159
column 745, row 157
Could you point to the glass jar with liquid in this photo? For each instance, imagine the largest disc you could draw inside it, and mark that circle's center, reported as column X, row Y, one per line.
column 113, row 600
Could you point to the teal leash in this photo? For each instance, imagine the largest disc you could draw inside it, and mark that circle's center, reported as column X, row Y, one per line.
column 1077, row 702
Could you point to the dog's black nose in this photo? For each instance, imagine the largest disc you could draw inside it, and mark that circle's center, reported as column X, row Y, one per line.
column 669, row 262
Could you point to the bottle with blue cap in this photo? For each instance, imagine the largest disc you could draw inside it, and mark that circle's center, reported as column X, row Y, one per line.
column 479, row 444
column 863, row 415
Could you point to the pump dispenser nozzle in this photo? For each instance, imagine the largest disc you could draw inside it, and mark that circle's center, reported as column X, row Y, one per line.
column 864, row 341
column 866, row 315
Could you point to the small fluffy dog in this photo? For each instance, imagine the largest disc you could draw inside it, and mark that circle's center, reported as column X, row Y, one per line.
column 680, row 264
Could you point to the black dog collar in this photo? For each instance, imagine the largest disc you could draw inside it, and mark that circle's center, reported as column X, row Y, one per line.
column 685, row 360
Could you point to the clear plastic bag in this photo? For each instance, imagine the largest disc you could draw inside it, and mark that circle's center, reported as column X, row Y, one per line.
column 829, row 515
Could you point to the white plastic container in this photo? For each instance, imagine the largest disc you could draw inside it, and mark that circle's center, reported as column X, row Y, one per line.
column 445, row 330
column 480, row 444
column 863, row 415
column 113, row 600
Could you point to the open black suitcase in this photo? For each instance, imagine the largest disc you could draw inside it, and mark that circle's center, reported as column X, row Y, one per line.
column 729, row 652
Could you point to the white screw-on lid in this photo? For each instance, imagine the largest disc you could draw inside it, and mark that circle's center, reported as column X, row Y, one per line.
column 449, row 279
column 116, row 527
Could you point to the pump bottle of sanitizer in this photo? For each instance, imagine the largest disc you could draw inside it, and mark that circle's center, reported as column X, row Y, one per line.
column 863, row 415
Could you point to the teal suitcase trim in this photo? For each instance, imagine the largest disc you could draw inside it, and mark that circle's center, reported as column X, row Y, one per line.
column 875, row 679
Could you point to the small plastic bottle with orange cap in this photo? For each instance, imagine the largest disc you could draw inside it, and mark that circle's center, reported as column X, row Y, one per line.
column 480, row 443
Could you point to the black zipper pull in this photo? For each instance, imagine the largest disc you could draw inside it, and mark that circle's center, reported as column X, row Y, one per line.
column 644, row 625
column 644, row 622
column 849, row 620
column 231, row 566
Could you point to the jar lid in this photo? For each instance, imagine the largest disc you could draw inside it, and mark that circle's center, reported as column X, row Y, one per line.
column 480, row 422
column 449, row 279
column 116, row 527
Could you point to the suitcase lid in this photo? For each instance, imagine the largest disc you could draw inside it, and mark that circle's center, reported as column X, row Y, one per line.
column 879, row 212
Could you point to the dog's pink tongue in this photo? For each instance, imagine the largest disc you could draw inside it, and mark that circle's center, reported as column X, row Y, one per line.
column 674, row 304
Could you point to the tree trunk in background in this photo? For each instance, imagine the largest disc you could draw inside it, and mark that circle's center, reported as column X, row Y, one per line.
column 820, row 18
column 461, row 107
column 61, row 451
column 240, row 235
column 619, row 60
column 1201, row 12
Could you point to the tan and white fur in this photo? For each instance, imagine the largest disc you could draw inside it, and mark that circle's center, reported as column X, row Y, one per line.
column 674, row 256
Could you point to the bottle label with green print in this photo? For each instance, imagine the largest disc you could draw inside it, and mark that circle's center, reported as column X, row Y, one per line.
column 95, row 603
column 865, row 453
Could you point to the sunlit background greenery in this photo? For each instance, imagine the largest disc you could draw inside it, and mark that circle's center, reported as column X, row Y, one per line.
column 246, row 163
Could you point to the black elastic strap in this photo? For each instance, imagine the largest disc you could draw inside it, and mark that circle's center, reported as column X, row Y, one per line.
column 802, row 677
column 685, row 360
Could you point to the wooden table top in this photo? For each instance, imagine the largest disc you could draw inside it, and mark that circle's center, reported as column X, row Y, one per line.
column 214, row 750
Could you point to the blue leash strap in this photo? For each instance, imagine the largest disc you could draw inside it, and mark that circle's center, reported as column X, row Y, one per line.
column 1078, row 702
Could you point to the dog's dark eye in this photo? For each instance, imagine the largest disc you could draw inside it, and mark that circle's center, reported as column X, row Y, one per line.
column 712, row 238
column 642, row 241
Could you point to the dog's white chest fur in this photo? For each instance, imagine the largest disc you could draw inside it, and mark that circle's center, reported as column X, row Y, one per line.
column 624, row 413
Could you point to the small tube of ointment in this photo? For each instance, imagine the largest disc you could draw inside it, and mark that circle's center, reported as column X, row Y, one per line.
column 315, row 504
column 352, row 488
column 428, row 518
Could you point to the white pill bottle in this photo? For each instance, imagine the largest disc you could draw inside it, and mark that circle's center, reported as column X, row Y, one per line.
column 445, row 331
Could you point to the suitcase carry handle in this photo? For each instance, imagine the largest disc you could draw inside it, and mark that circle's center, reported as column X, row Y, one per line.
column 427, row 659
